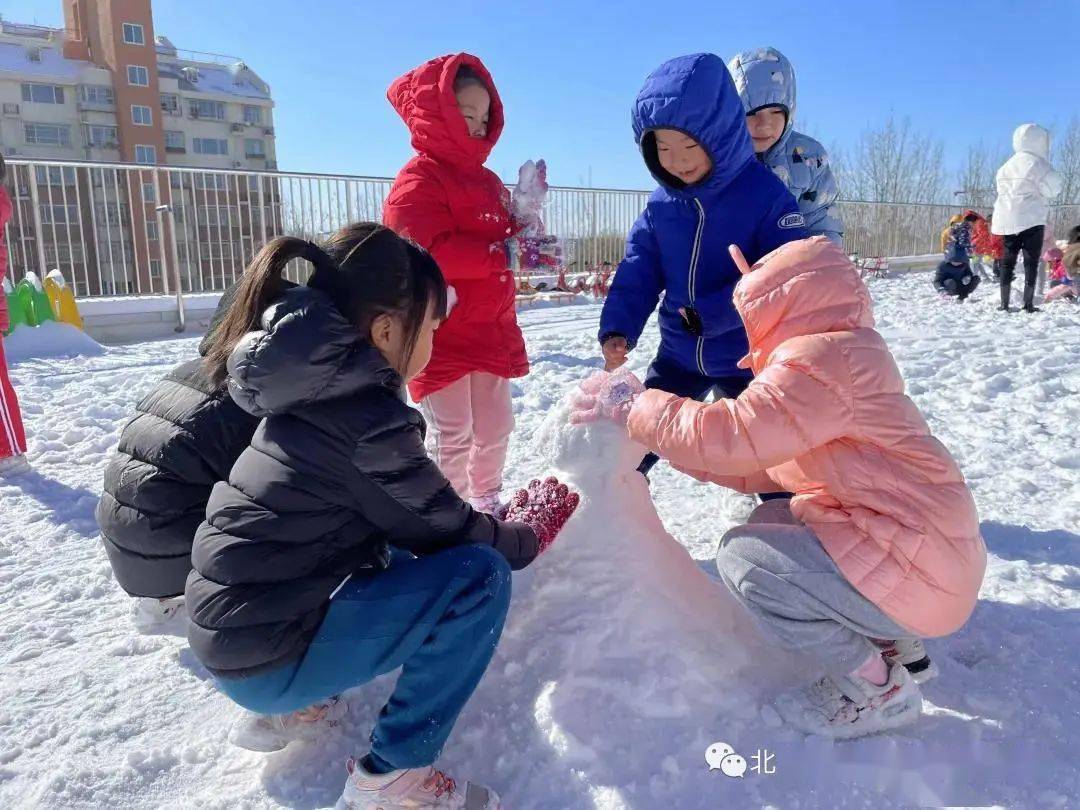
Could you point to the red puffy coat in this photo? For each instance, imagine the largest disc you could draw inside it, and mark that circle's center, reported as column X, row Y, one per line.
column 980, row 235
column 5, row 215
column 446, row 201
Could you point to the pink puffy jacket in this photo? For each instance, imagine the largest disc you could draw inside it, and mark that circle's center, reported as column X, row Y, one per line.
column 826, row 418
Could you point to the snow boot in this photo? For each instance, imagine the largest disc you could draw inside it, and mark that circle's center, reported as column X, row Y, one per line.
column 1029, row 299
column 272, row 732
column 851, row 706
column 911, row 654
column 412, row 788
column 1006, row 292
column 152, row 614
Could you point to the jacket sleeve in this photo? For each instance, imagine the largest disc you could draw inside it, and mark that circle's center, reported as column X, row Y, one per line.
column 778, row 227
column 418, row 209
column 410, row 501
column 787, row 410
column 818, row 203
column 636, row 288
column 1051, row 184
column 748, row 484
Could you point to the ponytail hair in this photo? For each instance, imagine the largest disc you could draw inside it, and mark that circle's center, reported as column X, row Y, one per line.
column 365, row 269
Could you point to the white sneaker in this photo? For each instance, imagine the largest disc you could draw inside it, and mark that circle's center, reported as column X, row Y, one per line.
column 13, row 465
column 411, row 788
column 911, row 653
column 272, row 732
column 852, row 706
column 151, row 614
column 488, row 504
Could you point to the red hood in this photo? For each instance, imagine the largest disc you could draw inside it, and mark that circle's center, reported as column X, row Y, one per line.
column 970, row 213
column 424, row 98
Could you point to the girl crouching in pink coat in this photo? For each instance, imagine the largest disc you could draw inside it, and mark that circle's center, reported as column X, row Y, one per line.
column 880, row 544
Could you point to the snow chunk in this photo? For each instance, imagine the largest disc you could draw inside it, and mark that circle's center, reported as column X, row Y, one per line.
column 50, row 339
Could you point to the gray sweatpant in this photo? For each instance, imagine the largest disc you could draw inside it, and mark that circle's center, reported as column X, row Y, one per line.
column 778, row 568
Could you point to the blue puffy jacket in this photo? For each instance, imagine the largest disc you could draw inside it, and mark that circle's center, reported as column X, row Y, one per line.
column 679, row 244
column 764, row 78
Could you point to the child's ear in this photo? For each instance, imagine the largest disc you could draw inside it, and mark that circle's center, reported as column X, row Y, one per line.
column 382, row 333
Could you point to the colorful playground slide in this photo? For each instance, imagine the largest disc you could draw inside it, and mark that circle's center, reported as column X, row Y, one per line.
column 30, row 303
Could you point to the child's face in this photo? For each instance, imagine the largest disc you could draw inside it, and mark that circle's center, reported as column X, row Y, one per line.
column 388, row 335
column 682, row 156
column 474, row 102
column 766, row 126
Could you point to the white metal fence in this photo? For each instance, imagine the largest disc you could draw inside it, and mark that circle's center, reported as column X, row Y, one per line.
column 100, row 224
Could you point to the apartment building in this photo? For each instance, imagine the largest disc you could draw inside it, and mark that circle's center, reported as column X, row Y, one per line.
column 106, row 88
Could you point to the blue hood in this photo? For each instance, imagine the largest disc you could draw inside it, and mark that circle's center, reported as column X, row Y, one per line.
column 694, row 94
column 764, row 78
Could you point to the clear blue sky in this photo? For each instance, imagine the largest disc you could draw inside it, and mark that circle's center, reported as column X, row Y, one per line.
column 568, row 71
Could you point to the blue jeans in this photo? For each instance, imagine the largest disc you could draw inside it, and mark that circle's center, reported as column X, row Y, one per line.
column 666, row 376
column 438, row 617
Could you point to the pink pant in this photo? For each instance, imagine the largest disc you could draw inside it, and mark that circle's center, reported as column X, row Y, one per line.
column 469, row 427
column 12, row 435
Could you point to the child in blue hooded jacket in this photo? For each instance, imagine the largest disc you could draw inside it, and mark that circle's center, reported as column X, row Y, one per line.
column 689, row 124
column 765, row 80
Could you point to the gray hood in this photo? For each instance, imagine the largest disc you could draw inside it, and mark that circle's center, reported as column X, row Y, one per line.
column 764, row 77
column 305, row 352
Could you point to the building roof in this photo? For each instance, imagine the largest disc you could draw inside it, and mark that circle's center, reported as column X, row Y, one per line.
column 51, row 63
column 235, row 80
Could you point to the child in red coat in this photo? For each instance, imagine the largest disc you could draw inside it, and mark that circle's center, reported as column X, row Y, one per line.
column 445, row 200
column 12, row 436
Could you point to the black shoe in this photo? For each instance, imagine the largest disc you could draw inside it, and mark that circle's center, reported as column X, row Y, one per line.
column 1031, row 308
column 1005, row 308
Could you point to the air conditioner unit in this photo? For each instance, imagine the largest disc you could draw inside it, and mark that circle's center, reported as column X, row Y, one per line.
column 11, row 150
column 237, row 164
column 237, row 127
column 268, row 131
column 33, row 54
column 11, row 110
column 193, row 113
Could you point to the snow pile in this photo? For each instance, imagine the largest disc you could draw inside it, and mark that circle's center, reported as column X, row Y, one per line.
column 50, row 339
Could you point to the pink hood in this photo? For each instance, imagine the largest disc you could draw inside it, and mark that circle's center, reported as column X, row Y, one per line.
column 826, row 417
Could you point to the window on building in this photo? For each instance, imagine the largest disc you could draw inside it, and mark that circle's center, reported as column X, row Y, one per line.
column 202, row 108
column 151, row 230
column 210, row 146
column 59, row 214
column 210, row 182
column 55, row 175
column 145, row 154
column 43, row 93
column 48, row 134
column 62, row 254
column 170, row 104
column 111, row 214
column 133, row 34
column 155, row 265
column 254, row 148
column 252, row 114
column 142, row 115
column 138, row 76
column 101, row 137
column 96, row 94
column 149, row 193
column 174, row 140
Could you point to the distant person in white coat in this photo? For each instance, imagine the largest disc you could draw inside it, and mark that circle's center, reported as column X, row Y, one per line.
column 1025, row 185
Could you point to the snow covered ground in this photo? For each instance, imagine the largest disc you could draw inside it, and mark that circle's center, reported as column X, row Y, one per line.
column 622, row 660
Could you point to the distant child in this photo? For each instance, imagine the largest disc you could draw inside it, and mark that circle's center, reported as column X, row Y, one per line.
column 981, row 255
column 336, row 551
column 12, row 434
column 185, row 437
column 1062, row 281
column 446, row 201
column 690, row 126
column 765, row 80
column 954, row 276
column 948, row 233
column 1025, row 185
column 880, row 544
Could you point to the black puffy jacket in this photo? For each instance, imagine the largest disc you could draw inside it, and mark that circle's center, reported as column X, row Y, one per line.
column 184, row 438
column 335, row 474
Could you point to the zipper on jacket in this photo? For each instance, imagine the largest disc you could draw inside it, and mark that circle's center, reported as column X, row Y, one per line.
column 694, row 254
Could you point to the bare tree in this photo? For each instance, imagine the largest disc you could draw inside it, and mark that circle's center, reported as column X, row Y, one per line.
column 1067, row 162
column 975, row 179
column 893, row 163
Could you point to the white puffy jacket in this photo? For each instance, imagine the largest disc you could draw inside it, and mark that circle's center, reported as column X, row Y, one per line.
column 1025, row 183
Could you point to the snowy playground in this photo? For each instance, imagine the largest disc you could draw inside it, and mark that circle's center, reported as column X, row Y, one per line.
column 623, row 659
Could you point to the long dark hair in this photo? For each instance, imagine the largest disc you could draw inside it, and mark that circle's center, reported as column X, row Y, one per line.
column 365, row 268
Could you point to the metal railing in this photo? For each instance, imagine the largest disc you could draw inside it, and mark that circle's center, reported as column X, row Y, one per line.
column 98, row 223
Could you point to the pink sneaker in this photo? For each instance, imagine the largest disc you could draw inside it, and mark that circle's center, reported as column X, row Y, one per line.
column 266, row 733
column 411, row 788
